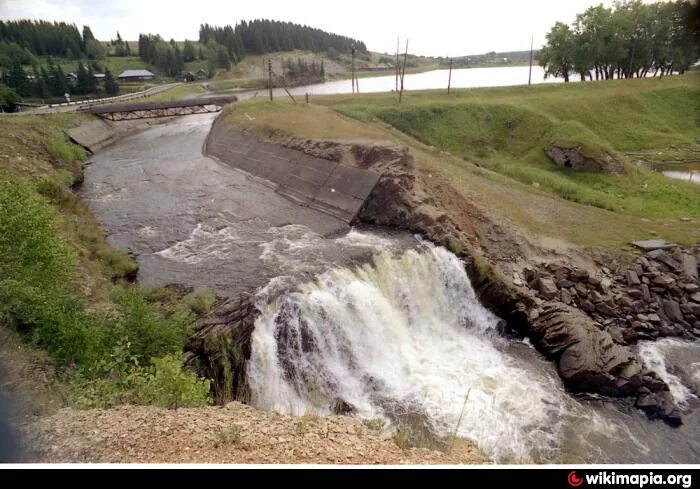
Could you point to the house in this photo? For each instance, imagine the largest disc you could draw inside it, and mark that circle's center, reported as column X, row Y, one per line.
column 187, row 76
column 136, row 75
column 202, row 74
column 99, row 76
column 72, row 79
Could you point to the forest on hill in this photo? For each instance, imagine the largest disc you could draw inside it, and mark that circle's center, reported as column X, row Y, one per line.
column 45, row 60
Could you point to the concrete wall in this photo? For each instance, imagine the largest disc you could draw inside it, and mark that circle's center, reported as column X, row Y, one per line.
column 93, row 134
column 332, row 188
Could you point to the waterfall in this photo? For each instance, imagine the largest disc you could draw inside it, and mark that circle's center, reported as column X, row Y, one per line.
column 404, row 338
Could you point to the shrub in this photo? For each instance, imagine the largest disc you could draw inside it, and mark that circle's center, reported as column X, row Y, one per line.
column 151, row 335
column 117, row 263
column 168, row 385
column 163, row 384
column 55, row 192
column 199, row 302
column 228, row 436
column 64, row 151
column 374, row 424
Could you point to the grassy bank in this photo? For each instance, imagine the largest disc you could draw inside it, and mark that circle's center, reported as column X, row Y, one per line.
column 507, row 130
column 489, row 143
column 68, row 292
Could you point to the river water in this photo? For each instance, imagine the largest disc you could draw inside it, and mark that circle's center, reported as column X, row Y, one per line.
column 430, row 80
column 378, row 319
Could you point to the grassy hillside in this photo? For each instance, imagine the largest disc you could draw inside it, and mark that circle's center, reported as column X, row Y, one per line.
column 495, row 138
column 68, row 292
column 508, row 129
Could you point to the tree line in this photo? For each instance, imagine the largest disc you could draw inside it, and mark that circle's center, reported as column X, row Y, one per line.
column 267, row 36
column 303, row 72
column 166, row 56
column 42, row 38
column 631, row 39
column 49, row 81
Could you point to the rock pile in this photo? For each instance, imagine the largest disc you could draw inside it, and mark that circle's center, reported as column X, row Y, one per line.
column 657, row 296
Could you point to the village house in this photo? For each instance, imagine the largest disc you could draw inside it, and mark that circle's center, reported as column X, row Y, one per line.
column 136, row 75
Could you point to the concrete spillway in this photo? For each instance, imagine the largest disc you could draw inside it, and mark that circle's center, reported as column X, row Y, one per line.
column 330, row 187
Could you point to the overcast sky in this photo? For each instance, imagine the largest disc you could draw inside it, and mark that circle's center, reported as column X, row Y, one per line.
column 434, row 27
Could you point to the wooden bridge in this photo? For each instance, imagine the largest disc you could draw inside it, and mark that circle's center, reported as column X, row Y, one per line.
column 149, row 110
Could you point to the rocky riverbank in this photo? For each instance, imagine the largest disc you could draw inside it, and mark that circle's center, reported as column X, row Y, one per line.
column 585, row 320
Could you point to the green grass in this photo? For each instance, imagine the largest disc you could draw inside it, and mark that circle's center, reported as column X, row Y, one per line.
column 61, row 284
column 180, row 92
column 508, row 129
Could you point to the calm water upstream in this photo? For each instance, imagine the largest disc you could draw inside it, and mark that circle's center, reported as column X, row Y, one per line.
column 437, row 79
column 379, row 319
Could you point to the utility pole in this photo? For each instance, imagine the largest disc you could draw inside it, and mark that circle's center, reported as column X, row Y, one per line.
column 397, row 63
column 529, row 77
column 352, row 51
column 449, row 80
column 403, row 72
column 269, row 75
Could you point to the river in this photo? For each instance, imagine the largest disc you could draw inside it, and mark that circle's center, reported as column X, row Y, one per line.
column 379, row 319
column 429, row 80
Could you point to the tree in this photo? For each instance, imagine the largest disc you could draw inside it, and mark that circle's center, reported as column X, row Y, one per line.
column 40, row 86
column 119, row 46
column 188, row 52
column 17, row 79
column 87, row 35
column 111, row 85
column 628, row 40
column 84, row 83
column 8, row 98
column 94, row 49
column 222, row 57
column 57, row 80
column 557, row 57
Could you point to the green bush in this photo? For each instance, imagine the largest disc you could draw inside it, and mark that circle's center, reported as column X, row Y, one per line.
column 117, row 263
column 199, row 302
column 151, row 335
column 62, row 150
column 168, row 385
column 35, row 263
column 125, row 381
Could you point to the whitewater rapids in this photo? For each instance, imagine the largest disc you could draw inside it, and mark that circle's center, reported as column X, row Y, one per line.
column 403, row 336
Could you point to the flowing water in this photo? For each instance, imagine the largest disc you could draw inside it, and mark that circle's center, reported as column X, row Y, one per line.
column 374, row 320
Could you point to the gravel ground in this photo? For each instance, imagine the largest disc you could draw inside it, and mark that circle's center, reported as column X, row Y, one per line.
column 235, row 434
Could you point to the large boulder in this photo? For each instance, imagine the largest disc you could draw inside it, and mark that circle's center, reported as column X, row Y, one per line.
column 588, row 360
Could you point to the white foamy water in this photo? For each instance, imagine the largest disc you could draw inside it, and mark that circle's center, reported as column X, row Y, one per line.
column 658, row 356
column 206, row 241
column 404, row 336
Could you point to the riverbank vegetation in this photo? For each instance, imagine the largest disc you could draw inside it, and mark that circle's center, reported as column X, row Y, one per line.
column 630, row 40
column 69, row 293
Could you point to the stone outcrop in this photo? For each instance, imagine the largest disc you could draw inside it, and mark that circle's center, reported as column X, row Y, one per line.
column 656, row 296
column 573, row 158
column 220, row 346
